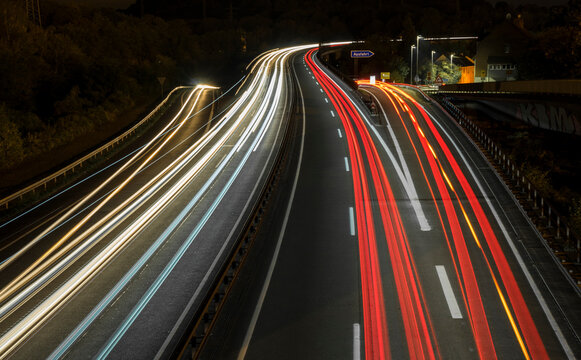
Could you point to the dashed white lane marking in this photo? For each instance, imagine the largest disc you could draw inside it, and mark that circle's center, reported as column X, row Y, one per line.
column 332, row 113
column 352, row 220
column 448, row 292
column 346, row 164
column 356, row 342
column 339, row 132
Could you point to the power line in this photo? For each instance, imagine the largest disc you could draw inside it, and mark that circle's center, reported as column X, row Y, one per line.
column 33, row 11
column 451, row 38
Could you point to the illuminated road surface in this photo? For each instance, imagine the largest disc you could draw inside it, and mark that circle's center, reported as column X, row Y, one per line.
column 114, row 267
column 398, row 240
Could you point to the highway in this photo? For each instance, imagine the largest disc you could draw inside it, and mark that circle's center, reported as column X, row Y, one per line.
column 394, row 238
column 114, row 266
column 389, row 236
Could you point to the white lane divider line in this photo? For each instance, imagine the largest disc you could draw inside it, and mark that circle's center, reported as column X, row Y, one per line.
column 448, row 292
column 220, row 162
column 356, row 342
column 346, row 164
column 314, row 79
column 401, row 170
column 321, row 90
column 352, row 220
column 339, row 132
column 515, row 251
column 326, row 100
column 332, row 113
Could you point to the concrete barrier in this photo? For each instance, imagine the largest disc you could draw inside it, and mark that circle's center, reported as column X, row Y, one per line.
column 550, row 114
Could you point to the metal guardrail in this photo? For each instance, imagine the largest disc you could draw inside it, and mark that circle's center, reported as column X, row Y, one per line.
column 548, row 219
column 79, row 163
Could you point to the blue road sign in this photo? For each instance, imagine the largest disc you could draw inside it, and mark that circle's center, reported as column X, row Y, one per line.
column 362, row 53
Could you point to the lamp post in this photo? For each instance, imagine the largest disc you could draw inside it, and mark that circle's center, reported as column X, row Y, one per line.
column 432, row 68
column 412, row 64
column 433, row 52
column 418, row 53
column 451, row 60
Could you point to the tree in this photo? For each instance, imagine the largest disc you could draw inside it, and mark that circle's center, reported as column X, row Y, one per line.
column 11, row 149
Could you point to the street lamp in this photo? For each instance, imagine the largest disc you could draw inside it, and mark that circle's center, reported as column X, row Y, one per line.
column 433, row 52
column 432, row 68
column 412, row 63
column 418, row 53
column 451, row 60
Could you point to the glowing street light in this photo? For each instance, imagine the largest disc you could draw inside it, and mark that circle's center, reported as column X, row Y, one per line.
column 412, row 63
column 451, row 60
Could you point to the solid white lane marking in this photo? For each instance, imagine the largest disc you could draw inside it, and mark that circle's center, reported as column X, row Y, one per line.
column 326, row 100
column 220, row 162
column 448, row 292
column 339, row 132
column 346, row 164
column 262, row 296
column 402, row 170
column 352, row 220
column 332, row 113
column 356, row 342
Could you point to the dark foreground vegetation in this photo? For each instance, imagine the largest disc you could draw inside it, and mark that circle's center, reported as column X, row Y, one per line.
column 84, row 69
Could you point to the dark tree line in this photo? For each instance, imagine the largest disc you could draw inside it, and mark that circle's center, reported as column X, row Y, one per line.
column 85, row 68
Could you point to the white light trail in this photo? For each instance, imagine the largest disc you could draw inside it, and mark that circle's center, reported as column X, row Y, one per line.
column 176, row 176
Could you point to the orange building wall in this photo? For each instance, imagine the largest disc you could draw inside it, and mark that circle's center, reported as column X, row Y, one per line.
column 467, row 75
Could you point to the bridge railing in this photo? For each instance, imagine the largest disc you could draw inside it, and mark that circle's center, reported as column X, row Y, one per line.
column 42, row 184
column 565, row 243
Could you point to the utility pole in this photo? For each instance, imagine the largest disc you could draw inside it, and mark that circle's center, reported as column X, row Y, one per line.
column 33, row 11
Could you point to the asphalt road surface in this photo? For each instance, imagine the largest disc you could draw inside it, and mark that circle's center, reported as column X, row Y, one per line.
column 393, row 238
column 390, row 236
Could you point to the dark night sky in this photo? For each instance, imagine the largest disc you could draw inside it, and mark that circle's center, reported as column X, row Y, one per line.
column 122, row 4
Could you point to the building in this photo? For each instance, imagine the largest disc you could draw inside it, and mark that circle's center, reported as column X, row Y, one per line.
column 497, row 52
column 467, row 70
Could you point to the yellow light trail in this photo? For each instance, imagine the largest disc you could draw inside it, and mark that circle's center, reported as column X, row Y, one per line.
column 477, row 241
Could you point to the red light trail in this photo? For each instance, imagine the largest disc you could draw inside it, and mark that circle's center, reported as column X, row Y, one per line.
column 420, row 339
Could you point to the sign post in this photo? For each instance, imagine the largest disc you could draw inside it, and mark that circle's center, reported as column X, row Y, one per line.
column 439, row 80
